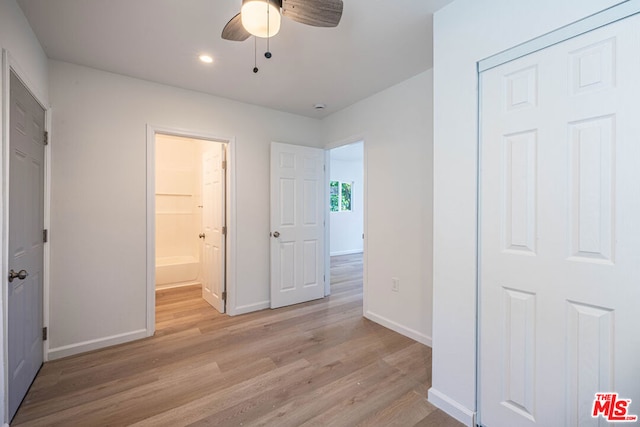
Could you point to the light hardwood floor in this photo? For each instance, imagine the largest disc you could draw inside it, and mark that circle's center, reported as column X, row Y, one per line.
column 314, row 364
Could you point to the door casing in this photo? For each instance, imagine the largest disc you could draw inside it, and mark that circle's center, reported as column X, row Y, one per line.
column 327, row 210
column 152, row 131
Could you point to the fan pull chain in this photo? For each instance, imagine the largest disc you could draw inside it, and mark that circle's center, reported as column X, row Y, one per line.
column 267, row 54
column 255, row 54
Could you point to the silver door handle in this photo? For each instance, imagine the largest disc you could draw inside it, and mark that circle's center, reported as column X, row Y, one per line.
column 22, row 274
column 276, row 234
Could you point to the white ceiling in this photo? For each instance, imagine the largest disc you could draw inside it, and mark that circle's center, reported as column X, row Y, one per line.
column 376, row 45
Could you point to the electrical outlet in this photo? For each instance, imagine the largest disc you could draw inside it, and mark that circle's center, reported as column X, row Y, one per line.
column 395, row 284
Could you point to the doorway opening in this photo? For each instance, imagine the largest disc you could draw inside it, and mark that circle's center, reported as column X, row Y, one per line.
column 346, row 215
column 188, row 208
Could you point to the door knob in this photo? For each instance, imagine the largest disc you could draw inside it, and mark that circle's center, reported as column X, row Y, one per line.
column 22, row 274
column 276, row 234
column 201, row 235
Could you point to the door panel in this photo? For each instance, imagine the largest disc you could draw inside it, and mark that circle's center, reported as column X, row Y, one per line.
column 213, row 221
column 559, row 209
column 297, row 224
column 26, row 223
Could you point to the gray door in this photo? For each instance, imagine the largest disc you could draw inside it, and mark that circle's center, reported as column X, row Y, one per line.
column 26, row 219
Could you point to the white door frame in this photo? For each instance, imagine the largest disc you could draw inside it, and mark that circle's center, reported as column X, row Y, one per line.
column 585, row 25
column 152, row 131
column 327, row 230
column 10, row 64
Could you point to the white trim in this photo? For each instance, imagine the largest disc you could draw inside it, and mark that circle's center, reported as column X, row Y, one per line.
column 26, row 81
column 349, row 252
column 249, row 308
column 397, row 327
column 177, row 285
column 152, row 130
column 231, row 255
column 585, row 25
column 46, row 276
column 365, row 229
column 4, row 251
column 150, row 323
column 327, row 224
column 451, row 407
column 83, row 347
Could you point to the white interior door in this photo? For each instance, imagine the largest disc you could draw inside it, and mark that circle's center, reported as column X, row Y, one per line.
column 559, row 231
column 297, row 224
column 26, row 223
column 213, row 224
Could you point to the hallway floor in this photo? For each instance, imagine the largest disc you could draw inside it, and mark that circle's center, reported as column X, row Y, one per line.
column 315, row 364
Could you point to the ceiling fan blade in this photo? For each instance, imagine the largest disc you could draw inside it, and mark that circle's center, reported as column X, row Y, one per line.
column 234, row 30
column 317, row 13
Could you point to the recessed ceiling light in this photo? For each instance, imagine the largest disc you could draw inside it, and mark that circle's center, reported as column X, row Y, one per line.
column 320, row 106
column 206, row 59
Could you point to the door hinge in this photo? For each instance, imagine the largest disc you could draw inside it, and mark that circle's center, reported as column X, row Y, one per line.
column 224, row 296
column 45, row 236
column 224, row 164
column 224, row 230
column 45, row 333
column 46, row 138
column 324, row 277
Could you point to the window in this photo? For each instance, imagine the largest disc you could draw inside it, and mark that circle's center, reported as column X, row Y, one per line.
column 341, row 197
column 345, row 198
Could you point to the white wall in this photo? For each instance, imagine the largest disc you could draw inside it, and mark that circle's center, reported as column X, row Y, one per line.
column 396, row 126
column 178, row 195
column 178, row 204
column 465, row 32
column 346, row 227
column 30, row 62
column 27, row 55
column 99, row 195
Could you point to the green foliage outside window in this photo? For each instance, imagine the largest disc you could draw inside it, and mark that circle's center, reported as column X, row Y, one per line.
column 334, row 191
column 346, row 197
column 340, row 193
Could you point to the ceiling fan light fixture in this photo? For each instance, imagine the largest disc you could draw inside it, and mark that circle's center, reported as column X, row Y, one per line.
column 206, row 58
column 257, row 21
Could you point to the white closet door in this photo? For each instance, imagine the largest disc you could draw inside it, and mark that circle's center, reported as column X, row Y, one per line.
column 560, row 231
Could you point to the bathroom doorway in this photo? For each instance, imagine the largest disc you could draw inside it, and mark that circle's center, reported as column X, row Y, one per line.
column 190, row 216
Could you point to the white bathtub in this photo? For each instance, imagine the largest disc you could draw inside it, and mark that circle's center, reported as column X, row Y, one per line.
column 176, row 271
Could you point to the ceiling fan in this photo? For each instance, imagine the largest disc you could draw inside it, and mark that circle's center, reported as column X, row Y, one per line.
column 261, row 18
